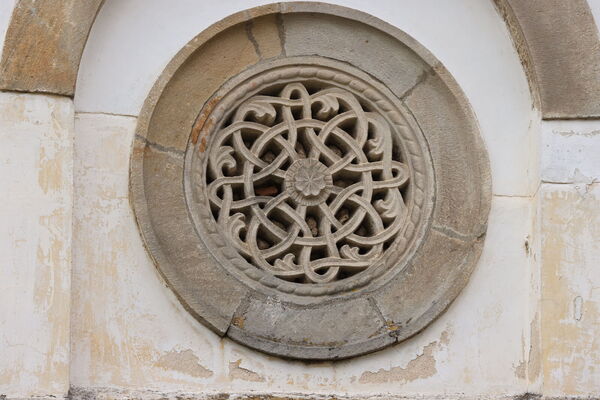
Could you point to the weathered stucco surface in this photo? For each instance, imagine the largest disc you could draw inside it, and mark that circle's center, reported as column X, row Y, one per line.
column 571, row 289
column 527, row 322
column 130, row 331
column 570, row 151
column 36, row 133
column 570, row 298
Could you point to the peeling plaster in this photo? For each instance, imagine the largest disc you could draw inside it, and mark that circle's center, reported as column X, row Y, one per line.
column 421, row 367
column 35, row 243
column 126, row 319
column 237, row 372
column 185, row 362
column 570, row 306
column 534, row 356
column 521, row 370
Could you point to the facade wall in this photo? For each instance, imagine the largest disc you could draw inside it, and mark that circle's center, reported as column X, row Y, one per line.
column 83, row 306
column 144, row 339
column 129, row 331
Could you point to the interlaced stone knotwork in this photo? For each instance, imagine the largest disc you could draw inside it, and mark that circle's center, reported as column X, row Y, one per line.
column 307, row 182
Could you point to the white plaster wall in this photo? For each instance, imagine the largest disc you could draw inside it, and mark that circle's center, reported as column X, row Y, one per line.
column 36, row 132
column 6, row 8
column 133, row 40
column 570, row 151
column 130, row 332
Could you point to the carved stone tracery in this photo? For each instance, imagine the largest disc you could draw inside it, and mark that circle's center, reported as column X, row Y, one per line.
column 308, row 181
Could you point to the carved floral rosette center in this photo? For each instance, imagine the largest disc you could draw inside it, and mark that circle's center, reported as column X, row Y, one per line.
column 307, row 178
column 308, row 182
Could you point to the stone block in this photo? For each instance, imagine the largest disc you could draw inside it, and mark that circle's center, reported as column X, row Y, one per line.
column 44, row 43
column 340, row 329
column 205, row 288
column 358, row 44
column 462, row 177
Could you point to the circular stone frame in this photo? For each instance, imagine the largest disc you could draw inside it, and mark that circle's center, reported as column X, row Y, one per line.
column 295, row 69
column 259, row 313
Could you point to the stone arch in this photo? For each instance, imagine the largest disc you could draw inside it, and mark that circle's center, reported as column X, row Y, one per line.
column 44, row 44
column 45, row 41
column 559, row 48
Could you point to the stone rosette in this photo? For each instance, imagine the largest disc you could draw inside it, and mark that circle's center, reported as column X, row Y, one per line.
column 335, row 235
column 304, row 195
column 308, row 182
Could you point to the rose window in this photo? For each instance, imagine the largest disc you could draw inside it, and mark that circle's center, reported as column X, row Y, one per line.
column 308, row 182
column 304, row 194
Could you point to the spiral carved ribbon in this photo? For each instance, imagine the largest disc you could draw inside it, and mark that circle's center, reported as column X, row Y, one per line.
column 308, row 185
